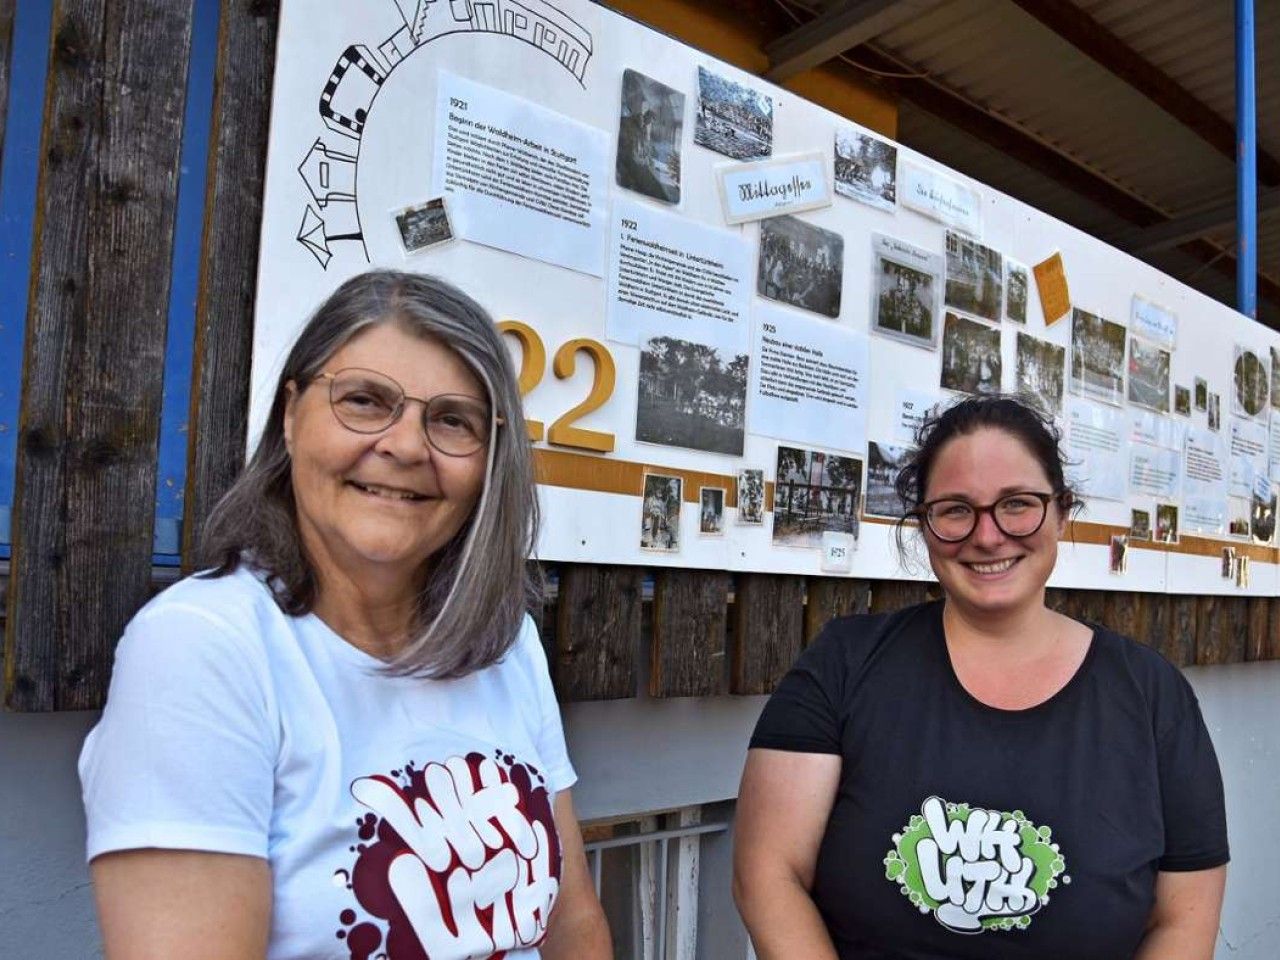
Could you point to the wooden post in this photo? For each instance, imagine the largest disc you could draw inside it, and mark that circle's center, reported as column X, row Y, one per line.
column 889, row 595
column 1223, row 624
column 690, row 613
column 229, row 261
column 831, row 597
column 1179, row 643
column 1259, row 634
column 768, row 631
column 84, row 503
column 597, row 632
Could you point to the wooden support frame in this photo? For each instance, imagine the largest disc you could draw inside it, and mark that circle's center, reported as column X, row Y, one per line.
column 598, row 632
column 768, row 631
column 690, row 616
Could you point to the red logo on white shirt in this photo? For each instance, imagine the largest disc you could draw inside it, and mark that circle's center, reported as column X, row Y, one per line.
column 465, row 865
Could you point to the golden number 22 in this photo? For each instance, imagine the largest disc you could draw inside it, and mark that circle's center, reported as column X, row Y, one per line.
column 532, row 368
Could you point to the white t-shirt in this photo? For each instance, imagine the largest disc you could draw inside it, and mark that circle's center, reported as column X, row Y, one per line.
column 401, row 817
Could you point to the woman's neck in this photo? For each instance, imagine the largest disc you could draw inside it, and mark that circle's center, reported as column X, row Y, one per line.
column 1029, row 629
column 373, row 616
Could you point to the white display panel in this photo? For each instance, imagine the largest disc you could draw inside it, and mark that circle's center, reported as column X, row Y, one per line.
column 581, row 156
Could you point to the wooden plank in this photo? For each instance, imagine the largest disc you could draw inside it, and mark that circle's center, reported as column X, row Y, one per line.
column 831, row 597
column 690, row 614
column 84, row 501
column 1258, row 636
column 890, row 595
column 1272, row 650
column 1179, row 643
column 229, row 260
column 768, row 631
column 1130, row 614
column 1223, row 623
column 597, row 632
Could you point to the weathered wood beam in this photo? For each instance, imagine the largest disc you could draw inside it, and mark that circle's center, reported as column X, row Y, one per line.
column 229, row 259
column 836, row 30
column 1106, row 49
column 598, row 624
column 7, row 9
column 690, row 620
column 84, row 504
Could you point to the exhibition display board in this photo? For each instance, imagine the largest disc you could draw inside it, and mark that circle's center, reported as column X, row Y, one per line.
column 730, row 307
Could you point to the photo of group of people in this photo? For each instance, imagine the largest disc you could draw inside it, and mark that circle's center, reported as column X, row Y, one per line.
column 1097, row 357
column 971, row 361
column 691, row 396
column 905, row 289
column 1041, row 372
column 801, row 265
column 866, row 169
column 975, row 277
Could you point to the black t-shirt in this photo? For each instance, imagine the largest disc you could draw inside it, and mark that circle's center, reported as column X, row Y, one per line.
column 964, row 831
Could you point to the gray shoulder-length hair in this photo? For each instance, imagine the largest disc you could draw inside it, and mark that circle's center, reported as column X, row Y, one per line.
column 471, row 607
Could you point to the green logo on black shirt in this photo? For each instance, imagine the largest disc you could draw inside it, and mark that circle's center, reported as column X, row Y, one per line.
column 973, row 869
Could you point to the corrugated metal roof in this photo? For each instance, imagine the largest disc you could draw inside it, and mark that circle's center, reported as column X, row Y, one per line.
column 1001, row 59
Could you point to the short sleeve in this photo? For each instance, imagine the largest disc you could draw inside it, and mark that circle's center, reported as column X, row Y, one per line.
column 804, row 713
column 1195, row 822
column 184, row 755
column 548, row 735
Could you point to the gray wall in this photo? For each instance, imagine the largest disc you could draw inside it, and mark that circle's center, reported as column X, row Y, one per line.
column 632, row 755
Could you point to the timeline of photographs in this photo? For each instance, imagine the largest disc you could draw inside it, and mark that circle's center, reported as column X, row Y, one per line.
column 425, row 225
column 884, row 463
column 1097, row 357
column 866, row 169
column 732, row 119
column 1149, row 376
column 1041, row 372
column 975, row 277
column 970, row 356
column 1016, row 289
column 660, row 520
column 711, row 514
column 649, row 137
column 690, row 397
column 1249, row 383
column 814, row 493
column 801, row 265
column 751, row 497
column 905, row 281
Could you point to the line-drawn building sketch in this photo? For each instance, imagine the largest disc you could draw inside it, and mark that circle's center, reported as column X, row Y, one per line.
column 347, row 96
column 328, row 174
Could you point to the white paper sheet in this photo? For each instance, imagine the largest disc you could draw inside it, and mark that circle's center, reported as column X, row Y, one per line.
column 1095, row 439
column 1154, row 472
column 520, row 177
column 1248, row 451
column 808, row 381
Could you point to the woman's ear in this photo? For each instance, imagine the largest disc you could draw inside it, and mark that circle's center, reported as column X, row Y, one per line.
column 290, row 408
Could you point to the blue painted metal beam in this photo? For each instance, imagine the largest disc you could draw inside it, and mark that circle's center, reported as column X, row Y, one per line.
column 1246, row 165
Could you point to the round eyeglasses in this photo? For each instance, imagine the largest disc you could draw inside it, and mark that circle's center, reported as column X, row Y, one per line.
column 365, row 401
column 1016, row 515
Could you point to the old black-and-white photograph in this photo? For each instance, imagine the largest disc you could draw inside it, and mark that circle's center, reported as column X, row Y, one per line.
column 1097, row 357
column 975, row 277
column 1228, row 563
column 1242, row 572
column 1275, row 378
column 884, row 462
column 732, row 118
column 904, row 283
column 1239, row 516
column 1149, row 376
column 1139, row 524
column 751, row 496
column 1166, row 523
column 801, row 264
column 1250, row 383
column 660, row 512
column 711, row 510
column 814, row 493
column 1182, row 400
column 1119, row 553
column 1202, row 394
column 866, row 169
column 691, row 396
column 970, row 356
column 1015, row 291
column 1215, row 411
column 424, row 225
column 1041, row 372
column 1262, row 518
column 649, row 137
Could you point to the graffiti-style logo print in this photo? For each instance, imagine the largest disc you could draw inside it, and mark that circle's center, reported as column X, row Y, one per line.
column 465, row 863
column 975, row 870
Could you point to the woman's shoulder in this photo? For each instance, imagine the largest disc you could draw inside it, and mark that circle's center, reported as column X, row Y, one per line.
column 848, row 644
column 1125, row 663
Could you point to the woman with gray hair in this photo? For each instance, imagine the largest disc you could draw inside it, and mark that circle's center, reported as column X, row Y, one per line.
column 341, row 740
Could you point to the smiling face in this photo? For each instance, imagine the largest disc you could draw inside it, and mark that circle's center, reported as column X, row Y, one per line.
column 380, row 505
column 990, row 572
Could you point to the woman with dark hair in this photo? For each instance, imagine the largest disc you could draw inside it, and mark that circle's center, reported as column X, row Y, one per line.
column 981, row 777
column 341, row 741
